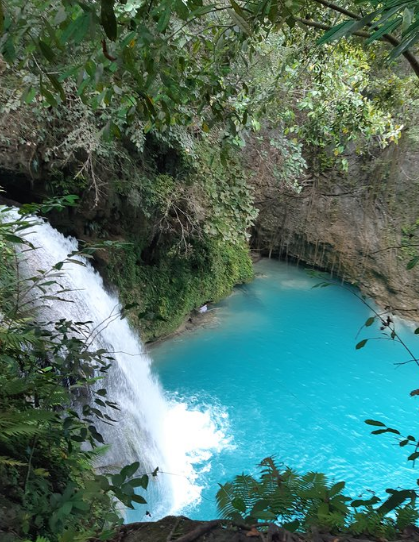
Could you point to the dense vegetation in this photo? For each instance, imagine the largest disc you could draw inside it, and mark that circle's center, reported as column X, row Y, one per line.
column 152, row 113
column 309, row 501
column 49, row 411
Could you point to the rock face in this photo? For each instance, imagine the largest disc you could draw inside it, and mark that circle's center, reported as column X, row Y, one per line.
column 361, row 226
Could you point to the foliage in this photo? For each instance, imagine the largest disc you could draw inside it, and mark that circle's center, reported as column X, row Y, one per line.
column 303, row 502
column 248, row 76
column 154, row 63
column 47, row 445
column 198, row 211
column 383, row 19
column 162, row 64
column 325, row 101
column 168, row 290
column 202, row 193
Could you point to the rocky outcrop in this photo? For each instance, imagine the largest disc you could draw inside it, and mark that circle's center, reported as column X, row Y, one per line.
column 362, row 226
column 182, row 529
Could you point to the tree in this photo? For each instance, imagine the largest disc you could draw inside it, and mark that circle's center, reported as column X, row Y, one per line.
column 168, row 61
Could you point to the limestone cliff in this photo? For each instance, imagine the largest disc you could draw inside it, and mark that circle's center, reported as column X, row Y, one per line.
column 362, row 225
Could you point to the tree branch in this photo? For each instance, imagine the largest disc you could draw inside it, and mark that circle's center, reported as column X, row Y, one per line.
column 321, row 26
column 389, row 38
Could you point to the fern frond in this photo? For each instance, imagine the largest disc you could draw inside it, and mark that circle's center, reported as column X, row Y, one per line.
column 14, row 424
column 11, row 462
column 238, row 497
column 14, row 386
column 18, row 339
column 224, row 497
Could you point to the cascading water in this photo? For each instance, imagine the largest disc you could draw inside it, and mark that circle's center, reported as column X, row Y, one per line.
column 151, row 429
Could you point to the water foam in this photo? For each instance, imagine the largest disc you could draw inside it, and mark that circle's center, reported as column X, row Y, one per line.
column 198, row 433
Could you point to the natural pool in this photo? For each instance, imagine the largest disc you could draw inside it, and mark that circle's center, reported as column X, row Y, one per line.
column 278, row 374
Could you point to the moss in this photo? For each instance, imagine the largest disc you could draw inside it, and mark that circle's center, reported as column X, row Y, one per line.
column 169, row 290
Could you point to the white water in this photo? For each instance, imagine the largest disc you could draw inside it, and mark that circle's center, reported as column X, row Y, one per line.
column 151, row 429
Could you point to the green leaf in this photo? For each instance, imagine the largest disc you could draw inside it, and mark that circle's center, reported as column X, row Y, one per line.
column 117, row 479
column 13, row 238
column 375, row 422
column 46, row 51
column 202, row 10
column 164, row 19
column 69, row 30
column 8, row 50
column 397, row 51
column 239, row 21
column 370, row 321
column 97, row 436
column 323, row 509
column 237, row 9
column 395, row 431
column 82, row 28
column 181, row 10
column 361, row 344
column 139, row 482
column 345, row 29
column 407, row 19
column 55, row 83
column 335, row 32
column 413, row 457
column 239, row 504
column 385, row 29
column 396, row 499
column 66, row 508
column 138, row 499
column 81, row 505
column 102, row 392
column 29, row 95
column 367, row 502
column 47, row 95
column 108, row 19
column 411, row 264
column 129, row 470
column 386, row 15
column 337, row 488
column 291, row 526
column 1, row 18
column 127, row 489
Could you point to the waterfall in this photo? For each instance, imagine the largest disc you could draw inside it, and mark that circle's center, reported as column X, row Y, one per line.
column 150, row 428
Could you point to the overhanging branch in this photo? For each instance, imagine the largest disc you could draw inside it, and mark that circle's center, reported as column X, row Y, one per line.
column 389, row 38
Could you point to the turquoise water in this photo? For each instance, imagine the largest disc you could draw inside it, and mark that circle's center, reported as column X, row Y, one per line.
column 280, row 375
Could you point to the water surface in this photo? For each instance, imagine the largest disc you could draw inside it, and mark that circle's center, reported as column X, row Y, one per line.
column 279, row 375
